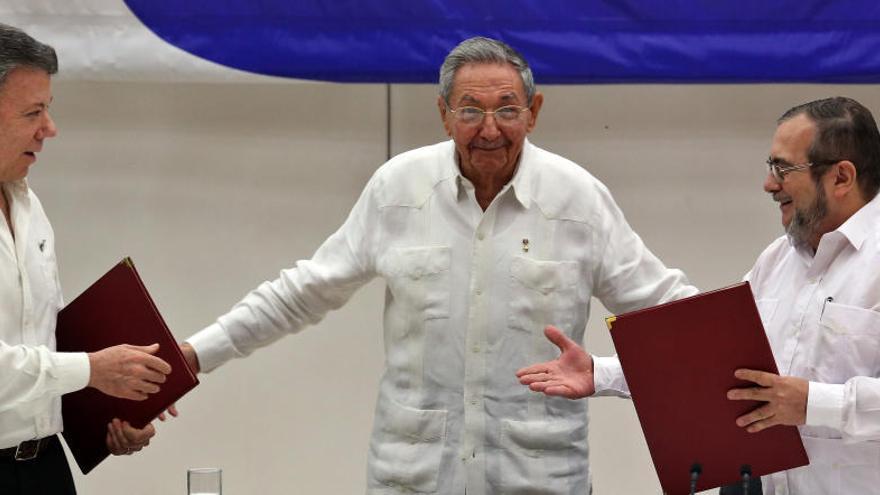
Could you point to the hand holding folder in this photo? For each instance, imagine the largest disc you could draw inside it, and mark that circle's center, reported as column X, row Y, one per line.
column 698, row 343
column 693, row 429
column 785, row 400
column 127, row 371
column 117, row 310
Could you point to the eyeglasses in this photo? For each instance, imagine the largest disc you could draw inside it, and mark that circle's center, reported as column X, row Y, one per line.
column 506, row 115
column 779, row 169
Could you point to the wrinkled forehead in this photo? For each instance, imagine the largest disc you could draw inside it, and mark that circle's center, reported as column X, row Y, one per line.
column 477, row 82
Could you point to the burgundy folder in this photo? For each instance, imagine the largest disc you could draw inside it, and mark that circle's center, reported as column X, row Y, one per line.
column 117, row 309
column 679, row 359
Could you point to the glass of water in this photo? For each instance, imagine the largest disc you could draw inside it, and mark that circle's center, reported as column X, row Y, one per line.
column 204, row 481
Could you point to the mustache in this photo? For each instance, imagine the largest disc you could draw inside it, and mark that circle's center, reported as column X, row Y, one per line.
column 489, row 145
column 781, row 197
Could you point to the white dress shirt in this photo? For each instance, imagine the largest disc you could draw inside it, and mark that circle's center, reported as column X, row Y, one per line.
column 468, row 295
column 33, row 376
column 822, row 317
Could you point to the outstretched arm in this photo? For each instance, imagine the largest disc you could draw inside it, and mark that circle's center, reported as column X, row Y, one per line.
column 571, row 375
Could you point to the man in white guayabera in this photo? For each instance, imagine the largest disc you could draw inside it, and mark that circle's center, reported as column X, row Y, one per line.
column 481, row 240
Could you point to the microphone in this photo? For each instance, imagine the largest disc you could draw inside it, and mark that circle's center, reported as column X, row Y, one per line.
column 696, row 470
column 746, row 472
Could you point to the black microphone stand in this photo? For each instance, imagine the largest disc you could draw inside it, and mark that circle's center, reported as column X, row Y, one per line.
column 696, row 470
column 746, row 472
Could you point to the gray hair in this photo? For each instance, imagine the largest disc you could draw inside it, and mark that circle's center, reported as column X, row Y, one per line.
column 480, row 50
column 18, row 49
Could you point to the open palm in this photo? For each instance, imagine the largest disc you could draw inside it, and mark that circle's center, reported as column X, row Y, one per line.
column 571, row 375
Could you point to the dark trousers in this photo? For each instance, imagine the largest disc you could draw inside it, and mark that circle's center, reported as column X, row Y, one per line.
column 754, row 488
column 48, row 474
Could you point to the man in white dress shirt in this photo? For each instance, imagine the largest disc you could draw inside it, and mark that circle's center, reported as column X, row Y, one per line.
column 481, row 241
column 818, row 291
column 33, row 377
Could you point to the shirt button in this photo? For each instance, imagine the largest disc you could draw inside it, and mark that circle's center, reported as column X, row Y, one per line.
column 478, row 292
column 481, row 236
column 476, row 349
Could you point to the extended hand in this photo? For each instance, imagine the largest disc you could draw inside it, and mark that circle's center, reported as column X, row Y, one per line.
column 569, row 376
column 127, row 371
column 124, row 439
column 786, row 398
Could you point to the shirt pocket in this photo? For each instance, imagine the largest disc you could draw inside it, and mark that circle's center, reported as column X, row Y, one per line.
column 539, row 457
column 406, row 451
column 542, row 293
column 418, row 278
column 848, row 343
column 48, row 284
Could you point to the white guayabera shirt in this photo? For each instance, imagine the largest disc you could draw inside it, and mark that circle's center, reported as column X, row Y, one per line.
column 32, row 376
column 469, row 293
column 822, row 317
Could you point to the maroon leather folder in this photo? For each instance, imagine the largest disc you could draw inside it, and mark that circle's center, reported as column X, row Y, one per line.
column 117, row 309
column 679, row 359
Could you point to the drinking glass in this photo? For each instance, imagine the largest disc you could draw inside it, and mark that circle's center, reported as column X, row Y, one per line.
column 204, row 481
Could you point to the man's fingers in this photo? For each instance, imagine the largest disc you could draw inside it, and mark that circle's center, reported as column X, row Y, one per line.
column 762, row 378
column 149, row 387
column 149, row 349
column 750, row 393
column 533, row 369
column 558, row 338
column 533, row 378
column 538, row 386
column 145, row 357
column 157, row 364
column 560, row 391
column 113, row 446
column 762, row 425
column 547, row 385
column 132, row 394
column 172, row 410
column 120, row 445
column 136, row 436
column 762, row 413
column 152, row 376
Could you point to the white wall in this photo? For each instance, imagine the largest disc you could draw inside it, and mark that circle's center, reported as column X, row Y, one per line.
column 214, row 188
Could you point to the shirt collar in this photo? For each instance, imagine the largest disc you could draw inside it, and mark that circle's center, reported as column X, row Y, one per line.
column 521, row 182
column 855, row 230
column 862, row 223
column 523, row 176
column 19, row 188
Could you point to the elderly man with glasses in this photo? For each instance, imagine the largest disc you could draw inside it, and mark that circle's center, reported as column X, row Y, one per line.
column 818, row 291
column 481, row 240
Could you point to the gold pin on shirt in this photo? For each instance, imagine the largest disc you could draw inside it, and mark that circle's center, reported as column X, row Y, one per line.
column 525, row 245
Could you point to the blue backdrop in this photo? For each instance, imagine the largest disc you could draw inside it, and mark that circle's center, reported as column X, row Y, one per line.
column 565, row 41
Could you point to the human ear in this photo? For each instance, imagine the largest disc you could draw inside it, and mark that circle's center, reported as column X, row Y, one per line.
column 441, row 106
column 537, row 102
column 844, row 178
